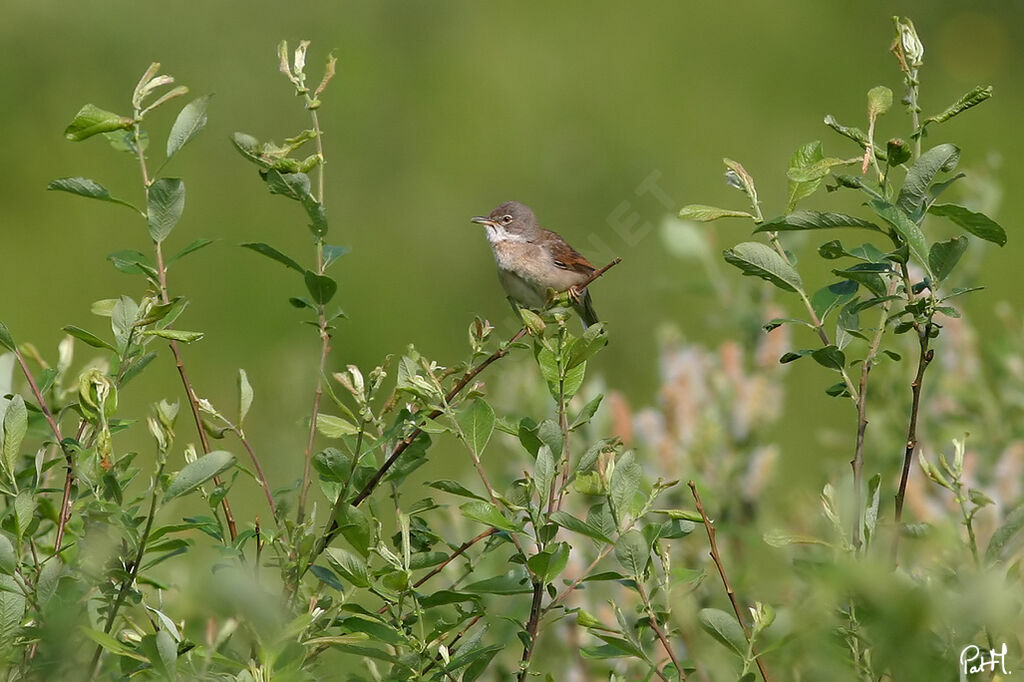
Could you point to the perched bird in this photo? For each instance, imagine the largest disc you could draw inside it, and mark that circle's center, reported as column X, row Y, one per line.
column 532, row 260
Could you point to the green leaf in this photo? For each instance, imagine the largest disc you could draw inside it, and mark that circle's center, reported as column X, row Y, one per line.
column 194, row 246
column 919, row 178
column 87, row 337
column 633, row 552
column 783, row 538
column 906, row 228
column 586, row 413
column 997, row 547
column 705, row 214
column 594, row 338
column 856, row 182
column 132, row 262
column 15, row 425
column 972, row 99
column 321, row 287
column 625, row 484
column 869, row 275
column 532, row 321
column 680, row 514
column 175, row 334
column 760, row 260
column 333, row 253
column 827, row 299
column 124, row 141
column 350, row 566
column 978, row 224
column 8, row 558
column 724, row 628
column 852, row 133
column 615, row 647
column 838, row 390
column 198, row 473
column 335, row 427
column 944, row 256
column 477, row 424
column 84, row 187
column 570, row 522
column 830, row 357
column 245, row 395
column 454, row 488
column 122, row 321
column 816, row 170
column 91, row 120
column 793, row 355
column 272, row 253
column 548, row 564
column 804, row 156
column 487, row 514
column 355, row 526
column 814, row 220
column 6, row 340
column 166, row 204
column 879, row 101
column 544, row 472
column 293, row 186
column 110, row 644
column 187, row 125
column 514, row 581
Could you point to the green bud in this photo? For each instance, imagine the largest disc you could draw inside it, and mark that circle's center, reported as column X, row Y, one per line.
column 898, row 151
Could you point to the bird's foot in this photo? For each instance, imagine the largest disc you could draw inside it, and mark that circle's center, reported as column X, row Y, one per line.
column 575, row 293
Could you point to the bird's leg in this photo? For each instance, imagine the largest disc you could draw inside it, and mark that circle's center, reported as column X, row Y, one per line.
column 575, row 293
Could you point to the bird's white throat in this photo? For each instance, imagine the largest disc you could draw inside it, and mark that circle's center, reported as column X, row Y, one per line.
column 497, row 234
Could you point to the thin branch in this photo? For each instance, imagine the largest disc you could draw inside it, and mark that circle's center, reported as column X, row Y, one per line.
column 325, row 337
column 65, row 505
column 563, row 424
column 325, row 348
column 190, row 393
column 455, row 639
column 454, row 555
column 133, row 571
column 857, row 463
column 659, row 632
column 580, row 578
column 259, row 474
column 532, row 625
column 924, row 359
column 721, row 572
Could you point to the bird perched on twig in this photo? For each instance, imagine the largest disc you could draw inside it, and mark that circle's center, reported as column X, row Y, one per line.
column 532, row 260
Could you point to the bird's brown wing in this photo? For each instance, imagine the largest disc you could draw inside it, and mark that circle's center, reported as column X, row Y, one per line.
column 565, row 256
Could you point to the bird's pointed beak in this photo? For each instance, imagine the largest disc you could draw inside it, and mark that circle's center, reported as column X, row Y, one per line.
column 483, row 220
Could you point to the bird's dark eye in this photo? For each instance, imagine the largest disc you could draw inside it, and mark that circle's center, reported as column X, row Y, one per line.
column 506, row 219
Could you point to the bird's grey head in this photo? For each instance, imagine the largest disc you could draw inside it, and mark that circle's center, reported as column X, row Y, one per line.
column 510, row 221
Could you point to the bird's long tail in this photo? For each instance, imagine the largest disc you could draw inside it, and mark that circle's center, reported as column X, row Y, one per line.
column 585, row 308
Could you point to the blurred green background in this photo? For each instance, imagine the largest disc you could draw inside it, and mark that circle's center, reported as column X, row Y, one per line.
column 440, row 111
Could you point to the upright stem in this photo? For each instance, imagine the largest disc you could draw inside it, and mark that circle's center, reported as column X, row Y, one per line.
column 532, row 624
column 563, row 424
column 653, row 619
column 923, row 360
column 857, row 463
column 721, row 572
column 65, row 505
column 325, row 337
column 190, row 393
column 133, row 571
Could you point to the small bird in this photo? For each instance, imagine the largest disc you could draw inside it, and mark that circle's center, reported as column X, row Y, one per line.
column 532, row 260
